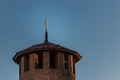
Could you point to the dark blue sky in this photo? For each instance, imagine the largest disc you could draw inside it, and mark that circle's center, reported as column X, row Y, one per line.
column 90, row 27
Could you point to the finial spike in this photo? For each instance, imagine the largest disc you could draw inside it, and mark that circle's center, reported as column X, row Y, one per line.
column 46, row 28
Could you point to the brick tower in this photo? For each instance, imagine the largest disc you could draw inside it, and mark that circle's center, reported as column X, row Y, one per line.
column 46, row 61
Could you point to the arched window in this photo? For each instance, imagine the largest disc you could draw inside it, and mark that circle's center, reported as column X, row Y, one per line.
column 53, row 60
column 26, row 62
column 73, row 65
column 66, row 61
column 20, row 67
column 38, row 60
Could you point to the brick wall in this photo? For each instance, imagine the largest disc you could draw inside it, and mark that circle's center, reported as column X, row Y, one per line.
column 46, row 73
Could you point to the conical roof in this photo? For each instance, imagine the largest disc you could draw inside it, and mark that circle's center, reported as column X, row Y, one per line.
column 46, row 46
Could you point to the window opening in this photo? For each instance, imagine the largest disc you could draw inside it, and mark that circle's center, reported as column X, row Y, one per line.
column 26, row 62
column 38, row 60
column 53, row 60
column 20, row 67
column 66, row 61
column 73, row 65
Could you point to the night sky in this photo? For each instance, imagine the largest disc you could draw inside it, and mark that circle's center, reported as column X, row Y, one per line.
column 90, row 27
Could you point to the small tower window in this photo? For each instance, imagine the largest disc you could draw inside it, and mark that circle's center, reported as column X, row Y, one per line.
column 20, row 67
column 73, row 65
column 26, row 62
column 66, row 61
column 38, row 60
column 53, row 60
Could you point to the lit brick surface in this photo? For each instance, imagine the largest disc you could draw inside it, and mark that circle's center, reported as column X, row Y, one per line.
column 46, row 73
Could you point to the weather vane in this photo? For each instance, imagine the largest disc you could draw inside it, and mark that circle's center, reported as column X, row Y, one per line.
column 46, row 23
column 46, row 28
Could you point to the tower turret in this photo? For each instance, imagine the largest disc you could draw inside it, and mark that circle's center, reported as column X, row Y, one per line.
column 46, row 61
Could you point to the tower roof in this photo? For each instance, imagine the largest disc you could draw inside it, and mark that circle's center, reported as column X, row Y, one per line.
column 46, row 46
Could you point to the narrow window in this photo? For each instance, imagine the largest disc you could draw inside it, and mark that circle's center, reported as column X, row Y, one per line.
column 20, row 67
column 38, row 60
column 73, row 65
column 53, row 60
column 26, row 62
column 66, row 57
column 66, row 61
